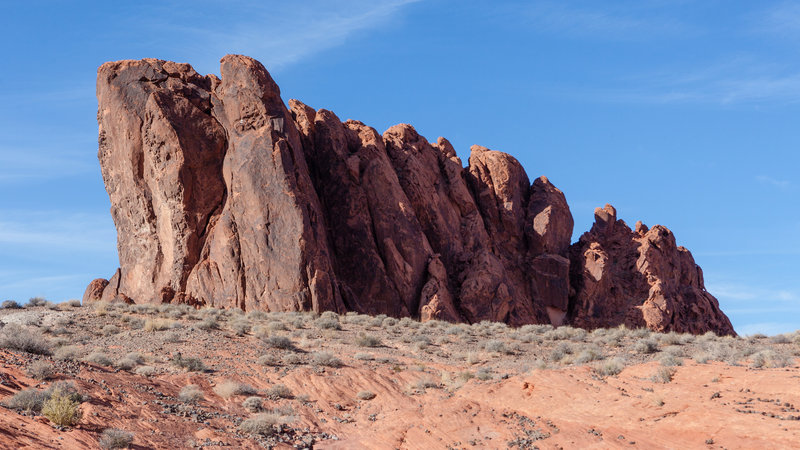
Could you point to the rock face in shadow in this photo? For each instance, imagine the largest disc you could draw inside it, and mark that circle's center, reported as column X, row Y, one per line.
column 223, row 196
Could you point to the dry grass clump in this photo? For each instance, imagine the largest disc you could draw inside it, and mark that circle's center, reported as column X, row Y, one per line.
column 158, row 324
column 769, row 358
column 62, row 409
column 365, row 395
column 68, row 353
column 209, row 323
column 37, row 301
column 262, row 424
column 10, row 304
column 281, row 342
column 279, row 391
column 130, row 361
column 589, row 354
column 41, row 370
column 240, row 327
column 646, row 346
column 326, row 359
column 190, row 394
column 328, row 323
column 190, row 364
column 30, row 400
column 663, row 375
column 16, row 337
column 253, row 404
column 145, row 371
column 98, row 358
column 365, row 340
column 114, row 438
column 229, row 388
column 610, row 367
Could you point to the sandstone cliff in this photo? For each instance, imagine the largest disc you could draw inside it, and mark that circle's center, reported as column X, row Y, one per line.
column 223, row 196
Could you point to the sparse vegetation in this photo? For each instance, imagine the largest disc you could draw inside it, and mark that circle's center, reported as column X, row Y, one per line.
column 228, row 389
column 326, row 359
column 16, row 337
column 62, row 409
column 262, row 424
column 190, row 394
column 279, row 391
column 114, row 438
column 41, row 370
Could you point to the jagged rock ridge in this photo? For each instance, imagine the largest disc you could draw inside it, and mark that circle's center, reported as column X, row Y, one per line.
column 223, row 196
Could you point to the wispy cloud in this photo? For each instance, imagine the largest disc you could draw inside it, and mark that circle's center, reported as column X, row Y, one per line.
column 639, row 20
column 781, row 19
column 781, row 184
column 768, row 328
column 32, row 231
column 276, row 34
column 748, row 294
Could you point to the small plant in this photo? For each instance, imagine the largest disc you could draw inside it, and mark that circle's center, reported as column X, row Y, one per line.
column 240, row 327
column 610, row 367
column 209, row 323
column 268, row 360
column 495, row 346
column 279, row 391
column 158, row 324
column 110, row 330
column 41, row 370
column 663, row 375
column 68, row 353
column 16, row 337
column 646, row 346
column 253, row 404
column 281, row 342
column 327, row 323
column 484, row 374
column 98, row 358
column 260, row 425
column 326, row 359
column 62, row 409
column 37, row 301
column 145, row 371
column 229, row 388
column 364, row 340
column 114, row 438
column 365, row 395
column 190, row 394
column 190, row 364
column 10, row 304
column 27, row 400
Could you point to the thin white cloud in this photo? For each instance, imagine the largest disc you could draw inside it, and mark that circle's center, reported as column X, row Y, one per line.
column 276, row 34
column 55, row 230
column 782, row 19
column 743, row 294
column 781, row 184
column 768, row 328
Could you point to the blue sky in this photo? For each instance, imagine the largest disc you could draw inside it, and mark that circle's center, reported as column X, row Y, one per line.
column 678, row 113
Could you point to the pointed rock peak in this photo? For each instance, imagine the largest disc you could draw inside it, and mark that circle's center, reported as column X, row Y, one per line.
column 640, row 227
column 243, row 72
column 605, row 218
column 403, row 132
column 445, row 147
column 302, row 114
column 478, row 149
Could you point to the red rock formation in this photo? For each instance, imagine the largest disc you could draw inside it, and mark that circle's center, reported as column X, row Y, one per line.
column 223, row 196
column 639, row 278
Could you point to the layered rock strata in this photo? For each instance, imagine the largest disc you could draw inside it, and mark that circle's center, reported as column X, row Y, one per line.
column 223, row 196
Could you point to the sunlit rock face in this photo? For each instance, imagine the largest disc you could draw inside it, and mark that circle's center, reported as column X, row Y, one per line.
column 224, row 196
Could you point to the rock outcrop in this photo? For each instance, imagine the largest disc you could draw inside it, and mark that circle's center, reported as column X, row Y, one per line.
column 223, row 196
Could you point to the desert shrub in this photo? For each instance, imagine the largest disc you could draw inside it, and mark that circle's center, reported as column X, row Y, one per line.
column 276, row 325
column 16, row 337
column 268, row 360
column 670, row 360
column 780, row 339
column 281, row 342
column 663, row 375
column 229, row 388
column 407, row 322
column 253, row 404
column 327, row 323
column 326, row 359
column 363, row 356
column 257, row 315
column 560, row 351
column 28, row 400
column 158, row 324
column 126, row 364
column 646, row 346
column 68, row 353
column 240, row 327
column 62, row 409
column 110, row 329
column 67, row 388
column 10, row 304
column 98, row 358
column 768, row 358
column 366, row 340
column 37, row 301
column 41, row 370
column 114, row 438
column 292, row 358
column 365, row 395
column 389, row 322
column 190, row 364
column 588, row 355
column 701, row 358
column 262, row 424
column 74, row 303
column 190, row 394
column 209, row 323
column 279, row 391
column 495, row 346
column 145, row 371
column 610, row 367
column 672, row 338
column 483, row 374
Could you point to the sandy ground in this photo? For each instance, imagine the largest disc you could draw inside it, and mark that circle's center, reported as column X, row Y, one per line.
column 416, row 405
